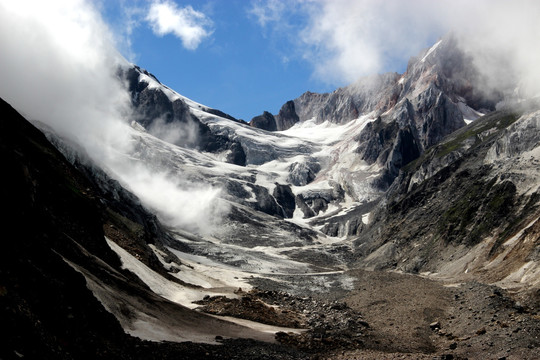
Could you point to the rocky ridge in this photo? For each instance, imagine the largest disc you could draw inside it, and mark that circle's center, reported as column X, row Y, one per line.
column 414, row 111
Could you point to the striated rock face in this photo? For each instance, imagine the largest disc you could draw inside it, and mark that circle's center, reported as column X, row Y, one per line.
column 345, row 104
column 388, row 145
column 351, row 227
column 307, row 105
column 265, row 202
column 436, row 116
column 521, row 138
column 286, row 199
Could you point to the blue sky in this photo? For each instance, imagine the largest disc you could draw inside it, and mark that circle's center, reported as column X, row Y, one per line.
column 247, row 56
column 254, row 56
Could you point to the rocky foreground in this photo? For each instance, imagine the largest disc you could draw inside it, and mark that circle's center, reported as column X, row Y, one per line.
column 387, row 316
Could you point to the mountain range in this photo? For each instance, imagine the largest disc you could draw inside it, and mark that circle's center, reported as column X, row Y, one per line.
column 279, row 222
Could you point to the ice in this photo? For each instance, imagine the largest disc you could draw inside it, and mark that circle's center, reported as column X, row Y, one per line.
column 365, row 218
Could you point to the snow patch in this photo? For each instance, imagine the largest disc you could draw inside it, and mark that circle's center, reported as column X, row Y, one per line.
column 158, row 284
column 171, row 94
column 469, row 114
column 431, row 50
column 200, row 270
column 365, row 218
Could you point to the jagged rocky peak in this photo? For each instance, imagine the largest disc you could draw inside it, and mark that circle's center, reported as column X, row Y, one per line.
column 286, row 119
column 171, row 117
column 439, row 93
column 452, row 70
column 444, row 69
column 266, row 121
column 371, row 93
column 341, row 106
column 138, row 79
column 307, row 104
column 287, row 116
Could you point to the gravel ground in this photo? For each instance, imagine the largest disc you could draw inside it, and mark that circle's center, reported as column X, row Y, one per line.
column 410, row 317
column 385, row 316
column 416, row 318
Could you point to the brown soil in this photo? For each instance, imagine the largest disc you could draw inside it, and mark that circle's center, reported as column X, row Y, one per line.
column 399, row 309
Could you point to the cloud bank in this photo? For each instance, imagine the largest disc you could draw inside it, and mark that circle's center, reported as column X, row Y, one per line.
column 348, row 39
column 59, row 67
column 189, row 25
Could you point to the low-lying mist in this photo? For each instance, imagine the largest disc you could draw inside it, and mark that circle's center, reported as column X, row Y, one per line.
column 59, row 67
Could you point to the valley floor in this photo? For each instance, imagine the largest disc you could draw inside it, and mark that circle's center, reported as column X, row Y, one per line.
column 414, row 318
column 401, row 316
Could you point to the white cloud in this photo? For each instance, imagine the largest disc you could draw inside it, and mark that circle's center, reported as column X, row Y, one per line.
column 189, row 25
column 178, row 203
column 59, row 67
column 347, row 39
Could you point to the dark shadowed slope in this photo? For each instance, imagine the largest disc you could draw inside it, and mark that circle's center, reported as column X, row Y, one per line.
column 52, row 222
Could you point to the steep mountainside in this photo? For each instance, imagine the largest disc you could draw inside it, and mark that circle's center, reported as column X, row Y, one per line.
column 377, row 126
column 467, row 208
column 167, row 116
column 63, row 292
